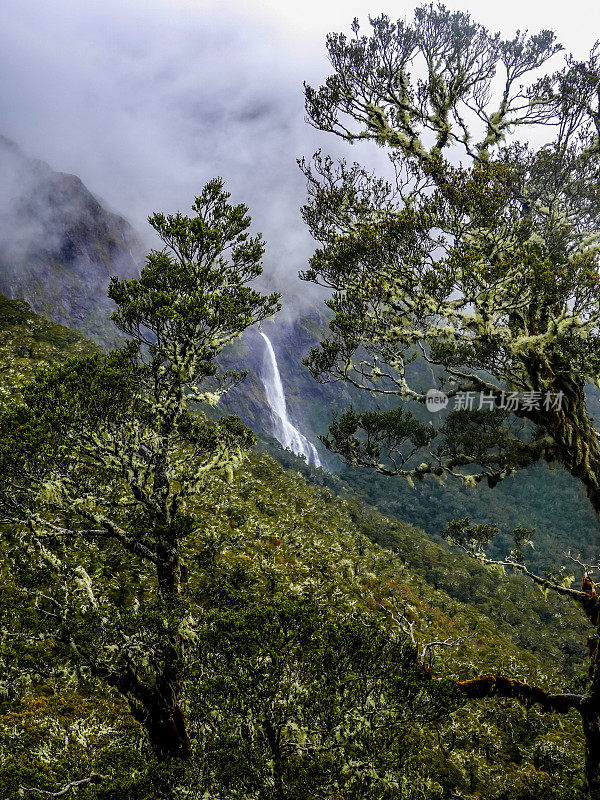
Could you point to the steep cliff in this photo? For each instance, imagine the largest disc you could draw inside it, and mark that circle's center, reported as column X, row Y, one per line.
column 59, row 245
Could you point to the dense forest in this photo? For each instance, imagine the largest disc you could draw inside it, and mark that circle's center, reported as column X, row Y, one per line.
column 296, row 586
column 189, row 610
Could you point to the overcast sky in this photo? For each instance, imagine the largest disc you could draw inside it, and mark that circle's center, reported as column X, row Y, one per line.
column 145, row 101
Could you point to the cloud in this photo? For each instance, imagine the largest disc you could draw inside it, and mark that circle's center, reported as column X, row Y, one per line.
column 146, row 101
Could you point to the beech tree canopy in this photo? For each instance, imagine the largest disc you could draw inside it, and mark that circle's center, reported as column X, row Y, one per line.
column 479, row 256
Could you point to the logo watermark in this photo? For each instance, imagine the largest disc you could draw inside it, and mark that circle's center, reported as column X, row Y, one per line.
column 435, row 401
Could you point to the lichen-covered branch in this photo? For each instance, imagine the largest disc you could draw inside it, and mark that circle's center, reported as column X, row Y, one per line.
column 499, row 686
column 73, row 786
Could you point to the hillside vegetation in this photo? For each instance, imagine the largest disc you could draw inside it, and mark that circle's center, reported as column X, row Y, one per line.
column 293, row 589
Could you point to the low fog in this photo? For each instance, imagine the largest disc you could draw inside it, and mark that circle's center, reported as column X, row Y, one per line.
column 147, row 101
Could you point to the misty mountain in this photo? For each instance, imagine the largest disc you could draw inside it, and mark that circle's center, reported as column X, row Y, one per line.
column 59, row 245
column 58, row 248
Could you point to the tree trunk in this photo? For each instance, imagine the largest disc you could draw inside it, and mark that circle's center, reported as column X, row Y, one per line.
column 274, row 745
column 577, row 446
column 590, row 710
column 165, row 724
column 587, row 705
column 577, row 449
column 163, row 717
column 591, row 731
column 156, row 708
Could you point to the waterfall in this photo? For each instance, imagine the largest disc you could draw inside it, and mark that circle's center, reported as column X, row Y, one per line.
column 287, row 434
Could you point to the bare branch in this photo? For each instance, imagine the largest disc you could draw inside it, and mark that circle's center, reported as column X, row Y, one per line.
column 72, row 787
column 449, row 642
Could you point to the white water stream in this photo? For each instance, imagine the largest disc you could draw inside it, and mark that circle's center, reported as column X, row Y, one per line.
column 287, row 434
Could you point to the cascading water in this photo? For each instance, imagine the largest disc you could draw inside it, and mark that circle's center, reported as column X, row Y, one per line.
column 287, row 434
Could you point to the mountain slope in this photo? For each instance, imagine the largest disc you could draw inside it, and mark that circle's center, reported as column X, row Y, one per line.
column 272, row 538
column 28, row 341
column 59, row 245
column 550, row 501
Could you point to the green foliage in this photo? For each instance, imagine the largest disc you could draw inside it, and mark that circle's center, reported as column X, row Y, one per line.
column 486, row 269
column 26, row 342
column 397, row 432
column 292, row 646
column 105, row 451
column 190, row 302
column 475, row 539
column 46, row 739
column 301, row 701
column 280, row 581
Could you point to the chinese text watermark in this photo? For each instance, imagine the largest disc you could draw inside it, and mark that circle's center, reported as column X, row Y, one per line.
column 435, row 400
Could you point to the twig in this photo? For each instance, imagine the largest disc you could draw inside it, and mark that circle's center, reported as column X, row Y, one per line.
column 70, row 787
column 400, row 618
column 449, row 642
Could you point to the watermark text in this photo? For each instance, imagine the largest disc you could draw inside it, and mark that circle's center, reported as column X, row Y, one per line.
column 435, row 400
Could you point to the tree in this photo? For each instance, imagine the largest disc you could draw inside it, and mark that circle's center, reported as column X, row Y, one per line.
column 299, row 700
column 99, row 460
column 481, row 257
